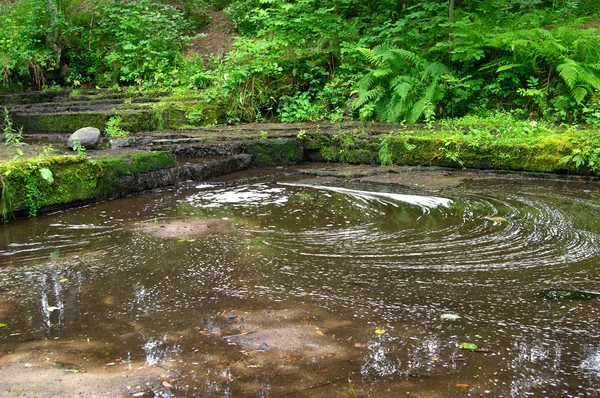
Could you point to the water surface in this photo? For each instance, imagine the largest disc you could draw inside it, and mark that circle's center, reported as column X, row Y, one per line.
column 318, row 287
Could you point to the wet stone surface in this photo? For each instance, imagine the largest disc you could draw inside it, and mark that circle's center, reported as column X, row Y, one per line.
column 310, row 285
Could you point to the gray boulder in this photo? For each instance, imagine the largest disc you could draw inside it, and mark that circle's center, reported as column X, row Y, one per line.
column 87, row 137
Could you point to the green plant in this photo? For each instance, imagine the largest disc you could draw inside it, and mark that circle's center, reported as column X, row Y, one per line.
column 113, row 127
column 385, row 153
column 7, row 196
column 586, row 154
column 158, row 119
column 298, row 108
column 304, row 197
column 263, row 135
column 452, row 152
column 78, row 148
column 11, row 136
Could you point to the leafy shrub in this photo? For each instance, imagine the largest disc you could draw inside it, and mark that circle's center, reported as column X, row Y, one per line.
column 147, row 39
column 113, row 127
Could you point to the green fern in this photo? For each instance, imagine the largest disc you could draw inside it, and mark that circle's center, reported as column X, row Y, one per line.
column 402, row 86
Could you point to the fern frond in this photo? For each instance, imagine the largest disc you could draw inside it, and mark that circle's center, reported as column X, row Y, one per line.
column 417, row 110
column 569, row 72
column 433, row 70
column 370, row 55
column 366, row 97
column 366, row 82
column 382, row 73
column 579, row 93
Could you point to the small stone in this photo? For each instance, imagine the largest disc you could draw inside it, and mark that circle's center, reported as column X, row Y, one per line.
column 87, row 137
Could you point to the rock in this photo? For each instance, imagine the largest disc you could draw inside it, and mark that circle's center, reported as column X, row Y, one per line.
column 87, row 137
column 121, row 142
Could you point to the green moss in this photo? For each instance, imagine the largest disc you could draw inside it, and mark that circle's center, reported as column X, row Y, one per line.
column 267, row 152
column 114, row 167
column 75, row 178
column 25, row 189
column 529, row 152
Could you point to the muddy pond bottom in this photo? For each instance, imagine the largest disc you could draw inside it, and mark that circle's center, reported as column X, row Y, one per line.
column 308, row 287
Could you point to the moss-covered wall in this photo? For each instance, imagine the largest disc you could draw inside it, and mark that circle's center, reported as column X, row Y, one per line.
column 545, row 154
column 114, row 168
column 73, row 178
column 275, row 152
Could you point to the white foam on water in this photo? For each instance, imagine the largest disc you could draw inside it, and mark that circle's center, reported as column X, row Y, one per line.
column 240, row 196
column 424, row 202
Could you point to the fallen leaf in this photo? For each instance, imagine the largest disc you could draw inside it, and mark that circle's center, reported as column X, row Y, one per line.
column 139, row 394
column 359, row 345
column 63, row 280
column 3, row 325
column 449, row 317
column 320, row 333
column 379, row 331
column 165, row 384
column 461, row 385
column 110, row 364
column 46, row 174
column 468, row 346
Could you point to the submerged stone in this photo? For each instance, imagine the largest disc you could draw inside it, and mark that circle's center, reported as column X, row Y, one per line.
column 185, row 229
column 87, row 137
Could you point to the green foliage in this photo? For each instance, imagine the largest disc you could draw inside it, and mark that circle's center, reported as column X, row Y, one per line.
column 23, row 51
column 78, row 148
column 113, row 127
column 402, row 87
column 147, row 39
column 303, row 60
column 586, row 154
column 385, row 153
column 11, row 136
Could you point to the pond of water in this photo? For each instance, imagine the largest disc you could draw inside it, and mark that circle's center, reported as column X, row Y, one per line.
column 314, row 287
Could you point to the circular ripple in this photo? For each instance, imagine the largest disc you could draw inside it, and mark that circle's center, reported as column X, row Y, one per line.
column 496, row 225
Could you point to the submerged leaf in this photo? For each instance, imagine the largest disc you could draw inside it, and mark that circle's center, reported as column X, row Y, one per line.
column 496, row 218
column 379, row 331
column 562, row 295
column 468, row 346
column 450, row 317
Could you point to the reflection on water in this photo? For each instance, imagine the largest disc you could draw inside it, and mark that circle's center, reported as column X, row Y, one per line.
column 158, row 350
column 343, row 261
